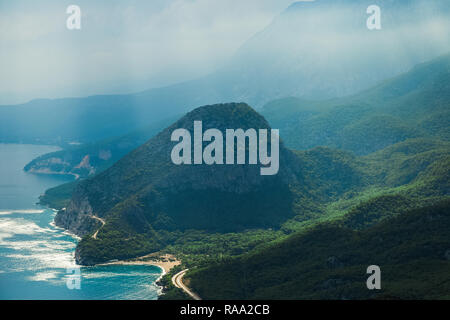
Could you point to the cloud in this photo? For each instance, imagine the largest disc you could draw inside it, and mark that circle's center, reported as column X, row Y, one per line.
column 123, row 45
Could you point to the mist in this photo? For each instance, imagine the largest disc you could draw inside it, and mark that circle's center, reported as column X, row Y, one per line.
column 324, row 49
column 123, row 46
column 253, row 51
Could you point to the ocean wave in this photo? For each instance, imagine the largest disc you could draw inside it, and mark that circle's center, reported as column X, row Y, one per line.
column 55, row 260
column 45, row 276
column 10, row 227
column 63, row 232
column 43, row 250
column 39, row 245
column 22, row 211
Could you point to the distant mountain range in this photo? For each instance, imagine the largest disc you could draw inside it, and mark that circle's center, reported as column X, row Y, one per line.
column 313, row 50
column 412, row 105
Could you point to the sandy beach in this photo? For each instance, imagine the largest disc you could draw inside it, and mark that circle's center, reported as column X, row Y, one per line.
column 165, row 261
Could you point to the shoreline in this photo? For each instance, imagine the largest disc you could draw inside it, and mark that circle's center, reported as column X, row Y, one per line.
column 64, row 231
column 165, row 262
column 52, row 173
column 165, row 266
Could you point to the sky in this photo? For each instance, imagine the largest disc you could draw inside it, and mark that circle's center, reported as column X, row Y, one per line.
column 123, row 46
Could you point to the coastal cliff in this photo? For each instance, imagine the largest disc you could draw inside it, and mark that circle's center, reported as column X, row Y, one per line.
column 77, row 217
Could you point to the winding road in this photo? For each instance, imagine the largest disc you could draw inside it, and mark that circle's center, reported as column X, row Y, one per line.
column 177, row 281
column 103, row 223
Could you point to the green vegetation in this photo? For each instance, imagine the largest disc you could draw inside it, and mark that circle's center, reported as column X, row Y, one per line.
column 360, row 191
column 170, row 292
column 58, row 197
column 329, row 261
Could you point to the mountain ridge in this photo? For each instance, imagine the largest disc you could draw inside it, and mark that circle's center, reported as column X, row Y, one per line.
column 412, row 105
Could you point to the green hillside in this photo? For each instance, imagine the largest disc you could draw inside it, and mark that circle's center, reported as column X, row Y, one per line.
column 58, row 197
column 413, row 105
column 329, row 261
column 397, row 216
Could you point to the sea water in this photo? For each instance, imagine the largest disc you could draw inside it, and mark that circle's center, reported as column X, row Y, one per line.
column 36, row 257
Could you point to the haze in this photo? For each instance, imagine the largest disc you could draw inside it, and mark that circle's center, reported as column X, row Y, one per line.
column 123, row 46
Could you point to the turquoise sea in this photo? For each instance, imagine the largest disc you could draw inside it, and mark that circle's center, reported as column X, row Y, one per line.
column 36, row 258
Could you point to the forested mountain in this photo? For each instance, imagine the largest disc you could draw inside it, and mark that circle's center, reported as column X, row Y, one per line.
column 145, row 194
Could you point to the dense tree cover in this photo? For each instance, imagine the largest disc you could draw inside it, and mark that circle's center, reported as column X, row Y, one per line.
column 329, row 261
column 58, row 197
column 354, row 212
column 345, row 191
